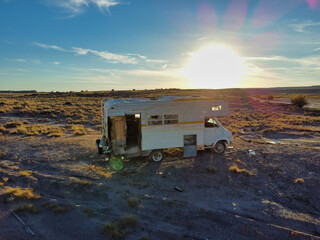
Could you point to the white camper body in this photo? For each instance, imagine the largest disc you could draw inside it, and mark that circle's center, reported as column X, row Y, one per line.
column 138, row 126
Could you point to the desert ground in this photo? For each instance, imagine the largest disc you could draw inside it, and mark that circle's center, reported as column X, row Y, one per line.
column 52, row 179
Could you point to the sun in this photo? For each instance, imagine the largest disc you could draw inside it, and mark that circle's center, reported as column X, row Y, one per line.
column 214, row 66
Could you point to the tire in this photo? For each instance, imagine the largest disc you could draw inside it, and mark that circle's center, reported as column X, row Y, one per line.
column 156, row 156
column 219, row 147
column 99, row 149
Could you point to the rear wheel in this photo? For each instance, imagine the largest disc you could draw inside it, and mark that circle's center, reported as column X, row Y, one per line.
column 219, row 147
column 156, row 155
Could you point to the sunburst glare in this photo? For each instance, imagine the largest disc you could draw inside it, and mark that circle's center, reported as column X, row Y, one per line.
column 214, row 66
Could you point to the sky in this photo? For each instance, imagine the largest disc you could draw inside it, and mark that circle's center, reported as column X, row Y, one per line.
column 73, row 45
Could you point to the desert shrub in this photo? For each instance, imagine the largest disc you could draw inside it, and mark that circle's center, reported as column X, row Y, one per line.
column 235, row 169
column 55, row 134
column 299, row 101
column 118, row 229
column 114, row 231
column 26, row 193
column 128, row 221
column 132, row 202
column 27, row 207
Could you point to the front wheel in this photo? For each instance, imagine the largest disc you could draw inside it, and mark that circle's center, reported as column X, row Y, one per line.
column 156, row 155
column 219, row 147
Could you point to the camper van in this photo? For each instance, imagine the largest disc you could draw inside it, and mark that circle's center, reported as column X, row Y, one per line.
column 145, row 127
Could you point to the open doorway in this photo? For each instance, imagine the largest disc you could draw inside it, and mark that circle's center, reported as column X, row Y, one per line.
column 133, row 136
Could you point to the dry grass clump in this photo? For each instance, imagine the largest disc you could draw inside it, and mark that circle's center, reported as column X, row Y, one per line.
column 299, row 180
column 299, row 101
column 25, row 173
column 2, row 154
column 27, row 207
column 55, row 132
column 5, row 179
column 210, row 170
column 12, row 124
column 85, row 183
column 37, row 129
column 235, row 169
column 132, row 202
column 57, row 207
column 1, row 184
column 25, row 193
column 78, row 130
column 100, row 171
column 145, row 237
column 5, row 108
column 89, row 212
column 119, row 229
column 2, row 129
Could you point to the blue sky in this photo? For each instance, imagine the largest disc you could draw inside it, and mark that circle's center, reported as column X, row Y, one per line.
column 63, row 45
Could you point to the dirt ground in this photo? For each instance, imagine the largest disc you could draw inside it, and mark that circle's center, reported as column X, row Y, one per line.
column 264, row 201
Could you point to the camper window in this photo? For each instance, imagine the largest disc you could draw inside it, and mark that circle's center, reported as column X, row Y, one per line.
column 210, row 123
column 216, row 108
column 154, row 120
column 171, row 119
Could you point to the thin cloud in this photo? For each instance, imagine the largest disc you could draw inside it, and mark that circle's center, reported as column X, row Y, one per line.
column 56, row 63
column 130, row 58
column 17, row 60
column 305, row 61
column 42, row 45
column 76, row 7
column 279, row 70
column 119, row 77
column 107, row 56
column 300, row 27
column 316, row 49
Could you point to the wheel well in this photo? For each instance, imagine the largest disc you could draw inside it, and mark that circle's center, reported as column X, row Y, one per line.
column 225, row 142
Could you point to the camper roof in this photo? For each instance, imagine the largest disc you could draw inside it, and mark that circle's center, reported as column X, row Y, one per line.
column 113, row 102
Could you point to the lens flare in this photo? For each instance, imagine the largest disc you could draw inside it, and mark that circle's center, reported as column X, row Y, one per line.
column 116, row 163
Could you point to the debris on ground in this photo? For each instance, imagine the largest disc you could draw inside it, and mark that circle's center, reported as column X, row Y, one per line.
column 251, row 152
column 275, row 141
column 28, row 230
column 179, row 189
